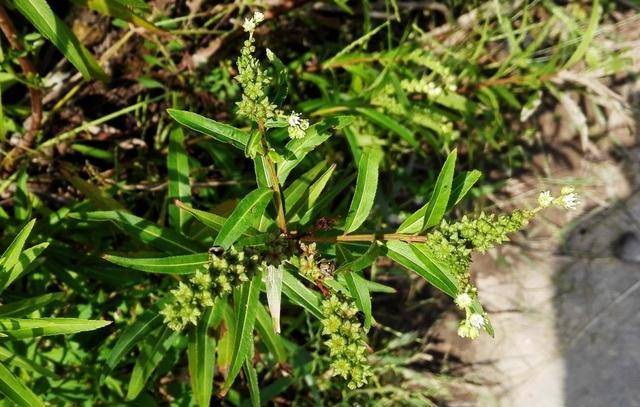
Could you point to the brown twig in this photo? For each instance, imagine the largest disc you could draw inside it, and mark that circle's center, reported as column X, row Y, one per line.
column 35, row 94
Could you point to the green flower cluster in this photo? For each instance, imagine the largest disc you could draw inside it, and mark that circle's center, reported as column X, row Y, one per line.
column 255, row 104
column 452, row 244
column 485, row 231
column 308, row 265
column 223, row 272
column 347, row 341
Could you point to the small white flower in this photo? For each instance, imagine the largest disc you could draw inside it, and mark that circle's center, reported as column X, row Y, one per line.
column 545, row 199
column 476, row 321
column 569, row 201
column 250, row 23
column 463, row 300
column 294, row 119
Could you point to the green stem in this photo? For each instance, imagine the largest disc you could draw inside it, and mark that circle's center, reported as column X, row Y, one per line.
column 275, row 184
column 367, row 237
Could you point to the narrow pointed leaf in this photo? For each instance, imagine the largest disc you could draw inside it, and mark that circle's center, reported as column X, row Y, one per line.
column 316, row 135
column 366, row 187
column 403, row 254
column 16, row 391
column 201, row 355
column 54, row 29
column 311, row 195
column 179, row 187
column 15, row 328
column 360, row 293
column 388, row 123
column 147, row 232
column 246, row 316
column 461, row 186
column 152, row 351
column 219, row 131
column 431, row 214
column 250, row 207
column 268, row 336
column 301, row 295
column 134, row 333
column 24, row 264
column 186, row 264
column 210, row 220
column 27, row 306
column 10, row 256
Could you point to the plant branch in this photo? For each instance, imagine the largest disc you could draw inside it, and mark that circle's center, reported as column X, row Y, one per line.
column 366, row 237
column 35, row 94
column 275, row 184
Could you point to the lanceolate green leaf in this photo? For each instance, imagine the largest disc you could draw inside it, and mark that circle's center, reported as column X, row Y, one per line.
column 16, row 391
column 186, row 264
column 152, row 351
column 201, row 355
column 252, row 377
column 178, row 168
column 25, row 307
column 24, row 264
column 301, row 295
column 360, row 293
column 10, row 358
column 294, row 192
column 210, row 220
column 52, row 28
column 311, row 195
column 431, row 214
column 145, row 323
column 219, row 131
column 249, row 208
column 10, row 256
column 366, row 187
column 147, row 232
column 268, row 336
column 361, row 262
column 316, row 135
column 461, row 186
column 327, row 198
column 388, row 123
column 245, row 311
column 403, row 254
column 15, row 328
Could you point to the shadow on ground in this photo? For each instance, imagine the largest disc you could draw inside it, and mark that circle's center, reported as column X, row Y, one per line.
column 597, row 305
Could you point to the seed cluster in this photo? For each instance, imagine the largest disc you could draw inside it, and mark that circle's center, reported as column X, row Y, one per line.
column 222, row 273
column 347, row 341
column 255, row 104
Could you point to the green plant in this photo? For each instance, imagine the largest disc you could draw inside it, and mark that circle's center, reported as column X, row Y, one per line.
column 16, row 325
column 286, row 238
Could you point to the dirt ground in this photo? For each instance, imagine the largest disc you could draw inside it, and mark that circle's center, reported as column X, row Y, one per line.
column 564, row 299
